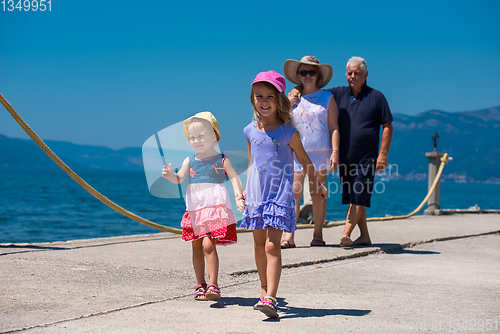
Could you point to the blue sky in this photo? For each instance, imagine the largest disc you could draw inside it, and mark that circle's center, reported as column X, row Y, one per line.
column 112, row 73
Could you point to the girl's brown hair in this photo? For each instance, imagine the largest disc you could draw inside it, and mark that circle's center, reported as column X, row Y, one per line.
column 283, row 105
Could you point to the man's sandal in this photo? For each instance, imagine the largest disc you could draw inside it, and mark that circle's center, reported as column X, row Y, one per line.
column 317, row 243
column 287, row 244
column 199, row 292
column 268, row 306
column 213, row 292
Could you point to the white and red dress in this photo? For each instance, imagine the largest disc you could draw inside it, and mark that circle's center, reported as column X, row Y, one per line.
column 209, row 211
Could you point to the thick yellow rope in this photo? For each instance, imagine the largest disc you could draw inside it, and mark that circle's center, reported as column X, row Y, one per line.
column 77, row 178
column 444, row 160
column 114, row 206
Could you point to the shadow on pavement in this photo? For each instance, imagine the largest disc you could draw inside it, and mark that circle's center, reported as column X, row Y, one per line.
column 415, row 252
column 290, row 312
column 15, row 249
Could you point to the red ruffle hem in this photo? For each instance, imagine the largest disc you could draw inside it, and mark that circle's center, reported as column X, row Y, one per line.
column 215, row 222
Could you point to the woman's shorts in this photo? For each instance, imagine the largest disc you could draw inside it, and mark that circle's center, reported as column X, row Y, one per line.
column 320, row 160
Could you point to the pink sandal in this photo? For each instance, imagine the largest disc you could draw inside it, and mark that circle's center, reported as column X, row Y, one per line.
column 213, row 292
column 200, row 292
column 261, row 298
column 268, row 306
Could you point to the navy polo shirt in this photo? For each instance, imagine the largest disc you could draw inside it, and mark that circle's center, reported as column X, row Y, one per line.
column 359, row 124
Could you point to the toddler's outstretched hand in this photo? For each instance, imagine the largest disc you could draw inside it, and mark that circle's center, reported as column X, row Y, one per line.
column 167, row 171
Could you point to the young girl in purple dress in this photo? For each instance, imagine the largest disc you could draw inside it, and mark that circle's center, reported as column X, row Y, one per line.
column 270, row 207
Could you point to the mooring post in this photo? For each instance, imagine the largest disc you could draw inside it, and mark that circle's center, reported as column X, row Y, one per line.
column 434, row 202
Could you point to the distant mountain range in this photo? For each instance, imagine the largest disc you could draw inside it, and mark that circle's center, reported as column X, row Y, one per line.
column 471, row 138
column 24, row 153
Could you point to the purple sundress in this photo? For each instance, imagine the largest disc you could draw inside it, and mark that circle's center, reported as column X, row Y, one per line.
column 269, row 199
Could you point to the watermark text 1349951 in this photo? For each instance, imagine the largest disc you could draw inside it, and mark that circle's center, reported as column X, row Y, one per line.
column 26, row 5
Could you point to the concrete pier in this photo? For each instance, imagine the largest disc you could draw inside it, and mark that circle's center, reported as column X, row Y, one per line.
column 426, row 274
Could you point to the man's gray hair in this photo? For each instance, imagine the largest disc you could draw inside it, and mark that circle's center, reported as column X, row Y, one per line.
column 360, row 61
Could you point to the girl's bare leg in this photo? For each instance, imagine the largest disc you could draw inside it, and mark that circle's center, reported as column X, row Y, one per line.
column 259, row 237
column 273, row 255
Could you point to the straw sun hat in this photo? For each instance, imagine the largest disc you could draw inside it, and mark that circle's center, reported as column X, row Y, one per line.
column 207, row 116
column 291, row 67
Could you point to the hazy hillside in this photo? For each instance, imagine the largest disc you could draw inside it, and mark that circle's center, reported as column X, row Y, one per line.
column 21, row 153
column 471, row 138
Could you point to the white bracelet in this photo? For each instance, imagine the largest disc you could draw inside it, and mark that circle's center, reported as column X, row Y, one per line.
column 335, row 149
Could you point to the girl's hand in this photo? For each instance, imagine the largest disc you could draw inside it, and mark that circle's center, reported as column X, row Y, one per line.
column 167, row 172
column 240, row 201
column 240, row 204
column 334, row 161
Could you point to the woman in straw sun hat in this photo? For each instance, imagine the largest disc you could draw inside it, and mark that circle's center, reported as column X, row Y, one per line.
column 315, row 115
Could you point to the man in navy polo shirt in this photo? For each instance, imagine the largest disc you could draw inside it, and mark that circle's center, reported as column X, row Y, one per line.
column 362, row 110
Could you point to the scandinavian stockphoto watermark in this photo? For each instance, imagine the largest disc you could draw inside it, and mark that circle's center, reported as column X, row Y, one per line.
column 346, row 325
column 169, row 146
column 373, row 184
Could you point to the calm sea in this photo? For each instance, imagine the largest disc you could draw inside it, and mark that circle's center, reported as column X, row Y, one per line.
column 43, row 206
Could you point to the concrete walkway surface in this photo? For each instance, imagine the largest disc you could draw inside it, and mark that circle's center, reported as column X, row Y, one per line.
column 426, row 274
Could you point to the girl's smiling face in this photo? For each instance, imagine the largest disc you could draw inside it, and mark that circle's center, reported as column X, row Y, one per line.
column 264, row 99
column 201, row 136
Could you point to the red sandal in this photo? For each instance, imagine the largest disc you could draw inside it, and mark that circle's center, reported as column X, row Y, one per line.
column 213, row 292
column 200, row 292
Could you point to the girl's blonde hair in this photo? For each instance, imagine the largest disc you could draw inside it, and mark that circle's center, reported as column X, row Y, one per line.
column 283, row 105
column 206, row 116
column 200, row 122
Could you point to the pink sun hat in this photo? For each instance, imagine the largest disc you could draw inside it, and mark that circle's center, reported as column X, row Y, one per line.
column 273, row 77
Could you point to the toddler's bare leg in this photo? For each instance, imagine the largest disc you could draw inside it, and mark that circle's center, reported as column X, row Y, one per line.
column 210, row 252
column 198, row 261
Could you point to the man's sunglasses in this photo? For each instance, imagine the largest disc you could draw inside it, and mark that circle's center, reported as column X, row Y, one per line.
column 311, row 73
